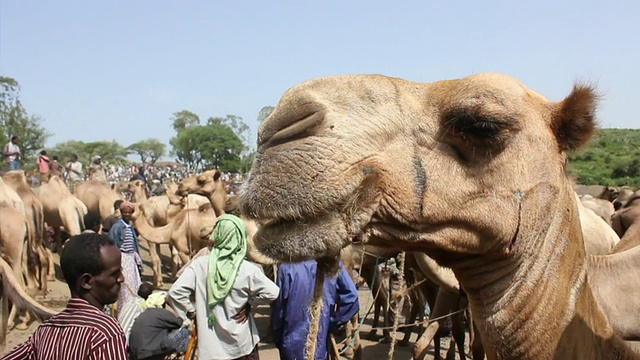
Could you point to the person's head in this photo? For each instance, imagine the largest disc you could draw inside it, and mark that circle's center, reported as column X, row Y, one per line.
column 43, row 152
column 117, row 203
column 145, row 290
column 73, row 157
column 141, row 170
column 96, row 159
column 55, row 157
column 90, row 264
column 14, row 139
column 127, row 209
column 92, row 221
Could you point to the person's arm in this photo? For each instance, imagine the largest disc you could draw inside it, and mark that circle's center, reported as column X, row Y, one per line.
column 114, row 348
column 24, row 351
column 263, row 290
column 180, row 292
column 347, row 303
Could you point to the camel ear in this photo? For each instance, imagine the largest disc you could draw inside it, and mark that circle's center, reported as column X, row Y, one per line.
column 574, row 121
column 216, row 175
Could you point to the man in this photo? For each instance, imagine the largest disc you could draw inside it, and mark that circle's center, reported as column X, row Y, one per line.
column 91, row 266
column 92, row 222
column 44, row 166
column 290, row 318
column 225, row 286
column 157, row 332
column 11, row 153
column 113, row 218
column 55, row 168
column 133, row 307
column 96, row 169
column 74, row 172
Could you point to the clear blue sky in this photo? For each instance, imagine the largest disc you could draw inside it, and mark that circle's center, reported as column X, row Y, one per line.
column 103, row 70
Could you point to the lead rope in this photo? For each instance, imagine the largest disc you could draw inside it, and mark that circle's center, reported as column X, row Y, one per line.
column 399, row 306
column 315, row 312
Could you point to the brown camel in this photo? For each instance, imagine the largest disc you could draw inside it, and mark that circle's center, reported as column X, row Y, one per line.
column 98, row 197
column 471, row 171
column 61, row 209
column 599, row 238
column 602, row 208
column 10, row 197
column 208, row 184
column 183, row 233
column 13, row 290
column 40, row 259
column 626, row 223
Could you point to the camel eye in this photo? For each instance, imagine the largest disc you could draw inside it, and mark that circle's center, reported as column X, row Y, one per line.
column 466, row 124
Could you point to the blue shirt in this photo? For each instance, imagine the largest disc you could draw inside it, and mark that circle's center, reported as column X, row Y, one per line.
column 290, row 312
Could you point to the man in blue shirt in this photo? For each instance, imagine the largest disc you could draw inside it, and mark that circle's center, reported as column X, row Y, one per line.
column 290, row 312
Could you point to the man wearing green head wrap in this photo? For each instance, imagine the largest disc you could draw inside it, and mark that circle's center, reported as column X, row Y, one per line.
column 225, row 285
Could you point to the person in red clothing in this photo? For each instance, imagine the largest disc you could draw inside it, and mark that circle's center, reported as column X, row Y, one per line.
column 90, row 263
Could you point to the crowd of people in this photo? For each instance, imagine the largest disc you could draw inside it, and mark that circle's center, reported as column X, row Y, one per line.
column 215, row 294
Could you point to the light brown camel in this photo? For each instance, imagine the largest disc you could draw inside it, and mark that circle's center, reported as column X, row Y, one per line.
column 208, row 184
column 61, row 209
column 598, row 236
column 183, row 233
column 602, row 208
column 13, row 290
column 40, row 259
column 10, row 197
column 471, row 171
column 98, row 197
column 14, row 241
column 137, row 188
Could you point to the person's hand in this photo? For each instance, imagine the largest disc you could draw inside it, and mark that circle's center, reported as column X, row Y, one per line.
column 243, row 315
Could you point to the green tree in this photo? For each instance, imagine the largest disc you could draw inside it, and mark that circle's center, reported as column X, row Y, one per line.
column 264, row 113
column 207, row 146
column 184, row 119
column 110, row 151
column 14, row 120
column 149, row 149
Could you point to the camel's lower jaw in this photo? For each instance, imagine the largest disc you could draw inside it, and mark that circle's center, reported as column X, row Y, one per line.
column 292, row 242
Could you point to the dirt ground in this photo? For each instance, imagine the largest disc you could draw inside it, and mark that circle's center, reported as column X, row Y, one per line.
column 58, row 294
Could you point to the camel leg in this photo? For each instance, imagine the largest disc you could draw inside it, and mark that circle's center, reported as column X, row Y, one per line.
column 477, row 349
column 373, row 334
column 51, row 273
column 458, row 333
column 156, row 265
column 443, row 304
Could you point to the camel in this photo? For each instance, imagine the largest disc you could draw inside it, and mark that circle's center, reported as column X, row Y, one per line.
column 602, row 208
column 626, row 223
column 470, row 171
column 98, row 197
column 183, row 233
column 61, row 209
column 40, row 258
column 10, row 197
column 13, row 290
column 598, row 236
column 208, row 184
column 137, row 188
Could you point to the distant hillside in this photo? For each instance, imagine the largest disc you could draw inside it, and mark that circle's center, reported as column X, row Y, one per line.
column 612, row 158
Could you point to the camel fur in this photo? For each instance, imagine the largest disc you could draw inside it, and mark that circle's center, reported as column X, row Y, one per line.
column 470, row 171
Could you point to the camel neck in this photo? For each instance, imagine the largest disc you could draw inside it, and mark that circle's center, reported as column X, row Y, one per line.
column 541, row 276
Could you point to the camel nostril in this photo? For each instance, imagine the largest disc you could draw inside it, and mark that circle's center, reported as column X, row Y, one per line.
column 286, row 129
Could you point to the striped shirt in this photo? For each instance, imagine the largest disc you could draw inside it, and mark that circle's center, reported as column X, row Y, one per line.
column 80, row 331
column 128, row 245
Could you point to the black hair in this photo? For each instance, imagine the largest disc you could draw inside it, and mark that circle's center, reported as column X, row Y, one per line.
column 145, row 290
column 55, row 157
column 43, row 152
column 91, row 220
column 14, row 137
column 81, row 255
column 74, row 156
column 117, row 203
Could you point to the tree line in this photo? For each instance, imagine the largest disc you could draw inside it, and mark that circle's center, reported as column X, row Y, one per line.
column 220, row 142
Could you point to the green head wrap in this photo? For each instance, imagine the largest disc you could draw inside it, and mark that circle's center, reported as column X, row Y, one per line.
column 228, row 252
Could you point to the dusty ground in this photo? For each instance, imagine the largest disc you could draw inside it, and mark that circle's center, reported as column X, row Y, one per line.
column 59, row 293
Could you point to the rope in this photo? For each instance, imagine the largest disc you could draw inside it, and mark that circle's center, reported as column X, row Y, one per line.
column 315, row 311
column 400, row 304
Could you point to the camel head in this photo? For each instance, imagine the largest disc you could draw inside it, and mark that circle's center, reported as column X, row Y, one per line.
column 454, row 168
column 15, row 177
column 208, row 184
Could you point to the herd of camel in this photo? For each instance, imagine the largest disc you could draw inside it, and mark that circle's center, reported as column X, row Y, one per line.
column 466, row 177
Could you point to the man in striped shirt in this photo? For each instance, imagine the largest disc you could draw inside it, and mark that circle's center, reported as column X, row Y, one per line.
column 91, row 266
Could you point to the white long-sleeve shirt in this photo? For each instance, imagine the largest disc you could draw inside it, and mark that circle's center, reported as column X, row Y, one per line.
column 227, row 339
